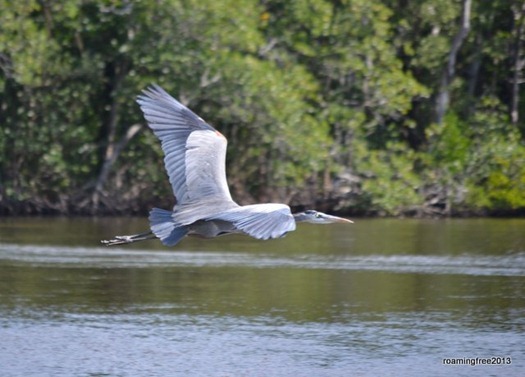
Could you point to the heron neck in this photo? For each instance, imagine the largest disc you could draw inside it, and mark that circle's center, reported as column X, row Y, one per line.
column 299, row 217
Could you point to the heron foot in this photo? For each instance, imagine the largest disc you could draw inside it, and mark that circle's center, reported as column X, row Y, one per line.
column 121, row 240
column 118, row 240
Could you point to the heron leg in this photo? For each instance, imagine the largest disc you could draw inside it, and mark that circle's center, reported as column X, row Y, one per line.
column 121, row 240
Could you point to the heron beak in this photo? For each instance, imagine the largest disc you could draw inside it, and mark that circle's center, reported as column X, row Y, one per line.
column 336, row 219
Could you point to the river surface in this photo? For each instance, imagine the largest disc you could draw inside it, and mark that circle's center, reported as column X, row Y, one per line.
column 374, row 298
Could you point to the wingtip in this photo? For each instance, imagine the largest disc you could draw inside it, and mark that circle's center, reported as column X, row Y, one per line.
column 151, row 91
column 155, row 92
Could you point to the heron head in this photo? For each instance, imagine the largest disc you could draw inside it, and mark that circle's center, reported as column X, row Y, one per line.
column 315, row 217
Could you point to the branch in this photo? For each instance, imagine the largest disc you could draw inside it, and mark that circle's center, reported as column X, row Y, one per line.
column 111, row 157
column 458, row 39
column 518, row 63
column 442, row 99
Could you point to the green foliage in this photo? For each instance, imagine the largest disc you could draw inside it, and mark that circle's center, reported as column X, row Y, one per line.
column 307, row 92
column 497, row 179
column 389, row 179
column 504, row 186
column 451, row 143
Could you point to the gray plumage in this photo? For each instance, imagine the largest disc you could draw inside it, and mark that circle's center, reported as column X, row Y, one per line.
column 194, row 158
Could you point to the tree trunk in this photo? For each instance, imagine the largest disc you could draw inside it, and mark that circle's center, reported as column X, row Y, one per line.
column 115, row 74
column 112, row 152
column 518, row 62
column 443, row 97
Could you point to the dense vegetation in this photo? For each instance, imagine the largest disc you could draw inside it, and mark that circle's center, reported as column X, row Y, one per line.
column 388, row 107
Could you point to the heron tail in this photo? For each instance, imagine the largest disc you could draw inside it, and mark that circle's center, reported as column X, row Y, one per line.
column 165, row 228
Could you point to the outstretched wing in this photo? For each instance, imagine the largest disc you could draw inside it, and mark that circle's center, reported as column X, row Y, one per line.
column 262, row 221
column 195, row 152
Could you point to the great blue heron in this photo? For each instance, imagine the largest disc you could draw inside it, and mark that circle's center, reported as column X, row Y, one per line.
column 195, row 155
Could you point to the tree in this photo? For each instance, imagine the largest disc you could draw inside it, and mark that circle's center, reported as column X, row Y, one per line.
column 378, row 106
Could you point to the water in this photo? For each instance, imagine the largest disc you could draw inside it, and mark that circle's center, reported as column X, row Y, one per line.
column 379, row 297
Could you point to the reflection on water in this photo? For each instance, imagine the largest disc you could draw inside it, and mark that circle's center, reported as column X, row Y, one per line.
column 383, row 297
column 506, row 265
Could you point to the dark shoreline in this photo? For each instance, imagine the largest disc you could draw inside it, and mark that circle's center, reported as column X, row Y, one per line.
column 133, row 211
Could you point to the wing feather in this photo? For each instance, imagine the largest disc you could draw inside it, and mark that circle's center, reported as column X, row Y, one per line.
column 261, row 221
column 194, row 152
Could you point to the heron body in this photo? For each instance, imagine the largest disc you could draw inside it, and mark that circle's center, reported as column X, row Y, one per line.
column 195, row 160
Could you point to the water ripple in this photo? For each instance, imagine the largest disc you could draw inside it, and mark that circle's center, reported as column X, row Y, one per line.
column 82, row 257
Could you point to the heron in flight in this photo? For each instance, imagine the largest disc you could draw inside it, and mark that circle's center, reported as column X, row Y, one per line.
column 195, row 159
